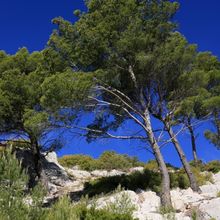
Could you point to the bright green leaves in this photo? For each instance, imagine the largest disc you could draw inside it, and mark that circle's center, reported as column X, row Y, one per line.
column 21, row 76
column 66, row 90
column 35, row 122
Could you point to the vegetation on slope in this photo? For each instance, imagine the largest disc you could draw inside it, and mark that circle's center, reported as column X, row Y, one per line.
column 109, row 160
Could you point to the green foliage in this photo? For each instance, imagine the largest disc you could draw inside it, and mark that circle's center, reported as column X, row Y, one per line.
column 149, row 179
column 83, row 161
column 122, row 204
column 12, row 186
column 65, row 210
column 65, row 90
column 212, row 166
column 14, row 200
column 180, row 179
column 152, row 165
column 137, row 180
column 163, row 210
column 21, row 76
column 61, row 210
column 218, row 194
column 108, row 160
column 13, row 191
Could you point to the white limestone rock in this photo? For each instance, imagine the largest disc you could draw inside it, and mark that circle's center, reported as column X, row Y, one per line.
column 79, row 174
column 177, row 201
column 210, row 209
column 136, row 169
column 116, row 173
column 99, row 173
column 216, row 178
column 149, row 202
column 210, row 190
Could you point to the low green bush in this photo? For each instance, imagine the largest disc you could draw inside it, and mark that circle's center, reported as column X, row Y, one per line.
column 152, row 165
column 111, row 160
column 19, row 203
column 137, row 180
column 65, row 210
column 83, row 161
column 13, row 191
column 212, row 166
column 180, row 178
column 149, row 179
column 107, row 161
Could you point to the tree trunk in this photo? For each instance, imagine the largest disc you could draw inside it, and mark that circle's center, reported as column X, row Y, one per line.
column 36, row 154
column 187, row 168
column 165, row 187
column 193, row 141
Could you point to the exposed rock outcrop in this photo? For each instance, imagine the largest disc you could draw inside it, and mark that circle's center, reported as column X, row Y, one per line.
column 60, row 181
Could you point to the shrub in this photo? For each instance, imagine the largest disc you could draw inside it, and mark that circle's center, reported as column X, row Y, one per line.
column 83, row 161
column 13, row 193
column 65, row 210
column 108, row 160
column 180, row 178
column 61, row 210
column 122, row 204
column 213, row 166
column 152, row 165
column 201, row 178
column 137, row 180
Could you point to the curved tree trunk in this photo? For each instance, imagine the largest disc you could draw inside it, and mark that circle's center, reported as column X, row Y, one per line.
column 191, row 176
column 165, row 187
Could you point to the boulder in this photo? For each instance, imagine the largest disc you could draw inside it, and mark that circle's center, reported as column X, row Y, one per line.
column 52, row 172
column 99, row 173
column 177, row 201
column 136, row 169
column 188, row 196
column 210, row 190
column 115, row 173
column 148, row 202
column 216, row 178
column 79, row 174
column 210, row 209
column 105, row 201
column 148, row 216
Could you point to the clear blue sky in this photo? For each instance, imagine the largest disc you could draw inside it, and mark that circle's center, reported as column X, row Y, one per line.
column 28, row 23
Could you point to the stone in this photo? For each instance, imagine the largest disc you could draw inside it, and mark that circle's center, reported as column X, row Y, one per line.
column 53, row 172
column 105, row 201
column 176, row 198
column 210, row 209
column 79, row 174
column 188, row 196
column 149, row 202
column 181, row 216
column 136, row 169
column 116, row 173
column 216, row 178
column 99, row 173
column 148, row 216
column 210, row 190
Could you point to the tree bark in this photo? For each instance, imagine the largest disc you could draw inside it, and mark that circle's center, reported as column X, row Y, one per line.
column 187, row 168
column 193, row 142
column 36, row 154
column 165, row 187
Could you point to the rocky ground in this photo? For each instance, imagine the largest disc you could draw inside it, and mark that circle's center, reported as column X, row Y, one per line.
column 203, row 206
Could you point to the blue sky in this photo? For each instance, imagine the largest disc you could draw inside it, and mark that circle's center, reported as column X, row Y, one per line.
column 28, row 23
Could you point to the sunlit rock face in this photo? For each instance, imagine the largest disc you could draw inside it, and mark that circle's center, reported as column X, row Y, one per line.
column 61, row 181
